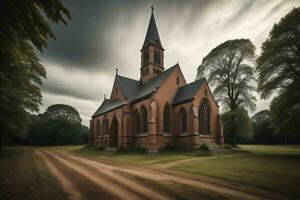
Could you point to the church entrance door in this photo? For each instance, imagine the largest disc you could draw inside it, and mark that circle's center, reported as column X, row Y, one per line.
column 113, row 136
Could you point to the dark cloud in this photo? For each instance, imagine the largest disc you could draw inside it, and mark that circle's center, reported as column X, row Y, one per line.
column 87, row 41
column 104, row 35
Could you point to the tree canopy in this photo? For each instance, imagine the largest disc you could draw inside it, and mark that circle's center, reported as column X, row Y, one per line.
column 23, row 28
column 230, row 72
column 279, row 72
column 58, row 125
column 63, row 112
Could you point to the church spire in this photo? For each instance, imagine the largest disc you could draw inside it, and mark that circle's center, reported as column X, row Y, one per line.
column 152, row 59
column 152, row 36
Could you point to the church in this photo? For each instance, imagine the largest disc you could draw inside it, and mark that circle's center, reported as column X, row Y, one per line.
column 159, row 110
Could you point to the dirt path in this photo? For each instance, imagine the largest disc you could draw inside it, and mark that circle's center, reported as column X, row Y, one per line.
column 89, row 179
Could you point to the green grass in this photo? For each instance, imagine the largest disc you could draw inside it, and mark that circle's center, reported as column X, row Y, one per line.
column 139, row 157
column 177, row 191
column 274, row 168
column 23, row 175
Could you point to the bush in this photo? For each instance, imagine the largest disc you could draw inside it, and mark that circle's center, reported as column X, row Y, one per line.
column 204, row 147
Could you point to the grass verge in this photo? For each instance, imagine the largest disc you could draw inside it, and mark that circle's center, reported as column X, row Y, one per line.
column 23, row 175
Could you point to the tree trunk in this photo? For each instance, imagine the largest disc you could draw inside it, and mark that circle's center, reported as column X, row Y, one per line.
column 233, row 131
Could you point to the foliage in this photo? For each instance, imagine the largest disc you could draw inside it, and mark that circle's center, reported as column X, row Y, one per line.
column 262, row 132
column 63, row 112
column 242, row 124
column 229, row 70
column 23, row 27
column 55, row 127
column 285, row 115
column 279, row 71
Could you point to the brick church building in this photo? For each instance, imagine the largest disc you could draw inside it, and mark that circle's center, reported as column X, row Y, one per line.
column 158, row 110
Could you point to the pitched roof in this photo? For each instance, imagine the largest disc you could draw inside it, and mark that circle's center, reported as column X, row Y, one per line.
column 187, row 92
column 133, row 90
column 152, row 36
column 108, row 105
column 129, row 87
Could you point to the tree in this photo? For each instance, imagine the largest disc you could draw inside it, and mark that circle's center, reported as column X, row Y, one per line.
column 63, row 112
column 23, row 28
column 279, row 73
column 262, row 132
column 58, row 125
column 229, row 71
column 242, row 125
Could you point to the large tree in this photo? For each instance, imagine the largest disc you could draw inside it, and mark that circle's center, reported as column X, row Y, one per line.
column 23, row 28
column 230, row 72
column 63, row 112
column 58, row 125
column 279, row 73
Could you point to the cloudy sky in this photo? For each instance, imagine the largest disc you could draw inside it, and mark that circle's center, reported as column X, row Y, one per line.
column 105, row 35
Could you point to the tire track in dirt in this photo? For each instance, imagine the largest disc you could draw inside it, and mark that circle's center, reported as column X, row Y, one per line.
column 110, row 183
column 107, row 180
column 164, row 176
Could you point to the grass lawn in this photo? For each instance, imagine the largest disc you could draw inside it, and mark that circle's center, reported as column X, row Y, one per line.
column 23, row 175
column 275, row 168
column 135, row 157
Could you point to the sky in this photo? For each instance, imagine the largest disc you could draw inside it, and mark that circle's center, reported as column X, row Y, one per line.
column 105, row 35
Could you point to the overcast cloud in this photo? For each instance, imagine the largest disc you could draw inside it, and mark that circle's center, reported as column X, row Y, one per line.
column 104, row 35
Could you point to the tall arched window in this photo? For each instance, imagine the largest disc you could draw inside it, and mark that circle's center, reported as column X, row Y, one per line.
column 137, row 122
column 106, row 124
column 157, row 57
column 145, row 58
column 167, row 119
column 98, row 128
column 204, row 118
column 182, row 120
column 144, row 120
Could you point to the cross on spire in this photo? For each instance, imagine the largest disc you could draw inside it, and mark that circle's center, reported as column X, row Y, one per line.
column 152, row 9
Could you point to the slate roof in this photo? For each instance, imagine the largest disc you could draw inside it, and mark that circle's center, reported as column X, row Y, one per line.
column 152, row 36
column 187, row 92
column 133, row 90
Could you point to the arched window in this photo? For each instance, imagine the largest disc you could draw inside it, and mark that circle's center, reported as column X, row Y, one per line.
column 167, row 119
column 144, row 120
column 145, row 58
column 182, row 120
column 137, row 122
column 204, row 118
column 98, row 128
column 157, row 57
column 105, row 126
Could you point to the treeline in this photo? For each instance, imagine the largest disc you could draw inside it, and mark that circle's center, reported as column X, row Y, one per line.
column 255, row 130
column 58, row 125
column 236, row 73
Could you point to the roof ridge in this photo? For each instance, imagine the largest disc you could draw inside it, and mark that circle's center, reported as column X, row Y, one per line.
column 127, row 77
column 198, row 80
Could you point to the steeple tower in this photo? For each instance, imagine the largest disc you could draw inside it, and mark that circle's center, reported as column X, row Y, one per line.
column 152, row 61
